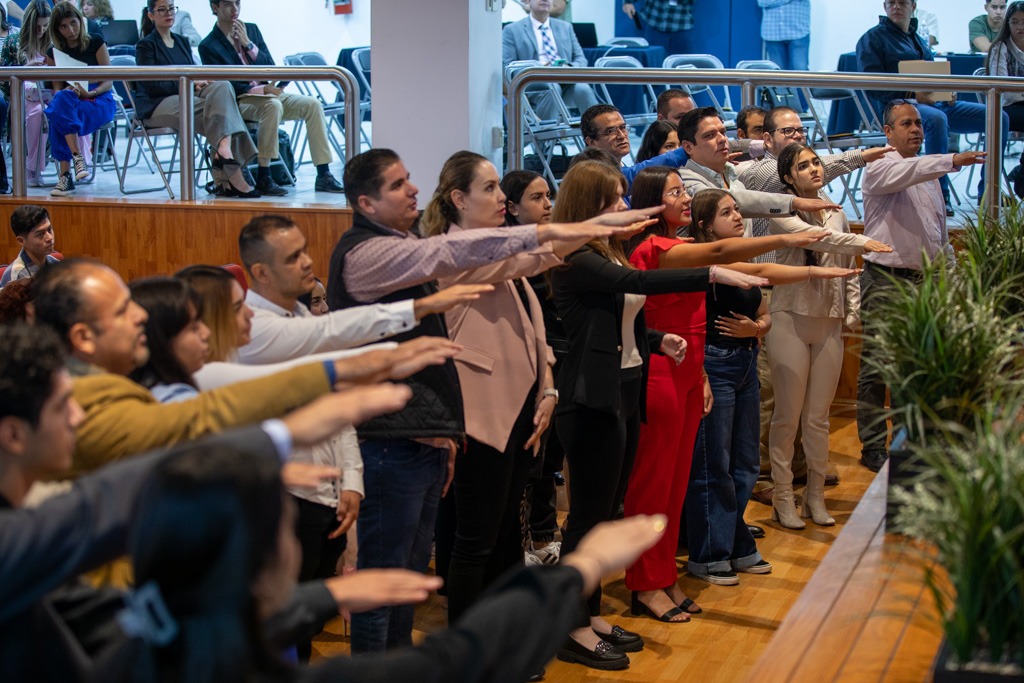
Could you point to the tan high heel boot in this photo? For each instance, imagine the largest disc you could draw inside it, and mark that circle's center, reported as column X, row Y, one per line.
column 814, row 500
column 784, row 509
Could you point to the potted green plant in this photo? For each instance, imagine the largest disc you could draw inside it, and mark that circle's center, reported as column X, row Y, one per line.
column 950, row 351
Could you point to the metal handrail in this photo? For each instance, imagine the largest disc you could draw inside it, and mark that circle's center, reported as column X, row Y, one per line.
column 185, row 75
column 750, row 80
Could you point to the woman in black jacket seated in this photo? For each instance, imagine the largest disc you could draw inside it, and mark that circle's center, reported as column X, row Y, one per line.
column 216, row 110
column 602, row 382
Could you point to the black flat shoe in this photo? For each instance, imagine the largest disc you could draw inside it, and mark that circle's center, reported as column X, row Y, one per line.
column 605, row 656
column 687, row 606
column 624, row 640
column 756, row 531
column 637, row 608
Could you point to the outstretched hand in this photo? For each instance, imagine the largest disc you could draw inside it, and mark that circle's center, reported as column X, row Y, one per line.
column 874, row 246
column 329, row 414
column 406, row 359
column 875, row 153
column 802, row 239
column 610, row 547
column 448, row 298
column 815, row 204
column 369, row 589
column 969, row 158
column 738, row 279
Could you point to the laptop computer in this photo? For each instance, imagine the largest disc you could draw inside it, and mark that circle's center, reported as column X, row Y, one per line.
column 586, row 33
column 923, row 66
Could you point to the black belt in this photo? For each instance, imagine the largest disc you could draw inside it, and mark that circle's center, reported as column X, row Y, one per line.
column 907, row 273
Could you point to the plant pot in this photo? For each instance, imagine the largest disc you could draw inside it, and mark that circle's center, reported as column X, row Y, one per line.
column 943, row 675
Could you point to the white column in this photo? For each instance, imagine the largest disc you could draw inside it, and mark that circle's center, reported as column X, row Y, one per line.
column 436, row 82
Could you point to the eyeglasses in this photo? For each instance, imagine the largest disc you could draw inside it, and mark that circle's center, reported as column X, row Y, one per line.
column 170, row 9
column 789, row 131
column 675, row 193
column 614, row 131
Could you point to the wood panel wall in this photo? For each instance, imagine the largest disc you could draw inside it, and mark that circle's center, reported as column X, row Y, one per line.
column 138, row 239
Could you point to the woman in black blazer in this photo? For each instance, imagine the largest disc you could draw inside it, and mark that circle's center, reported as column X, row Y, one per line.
column 216, row 109
column 602, row 382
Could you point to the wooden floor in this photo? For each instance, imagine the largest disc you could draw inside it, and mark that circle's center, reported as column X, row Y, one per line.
column 725, row 642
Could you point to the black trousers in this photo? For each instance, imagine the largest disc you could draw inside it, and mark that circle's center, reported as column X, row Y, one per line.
column 488, row 487
column 320, row 554
column 541, row 496
column 600, row 449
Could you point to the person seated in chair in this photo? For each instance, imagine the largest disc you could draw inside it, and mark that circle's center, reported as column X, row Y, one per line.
column 216, row 110
column 235, row 43
column 552, row 42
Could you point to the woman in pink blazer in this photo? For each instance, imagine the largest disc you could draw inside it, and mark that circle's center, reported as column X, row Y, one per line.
column 505, row 373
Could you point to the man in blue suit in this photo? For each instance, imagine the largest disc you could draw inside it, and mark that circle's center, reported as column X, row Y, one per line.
column 553, row 43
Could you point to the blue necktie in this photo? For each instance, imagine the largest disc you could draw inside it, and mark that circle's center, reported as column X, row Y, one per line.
column 550, row 51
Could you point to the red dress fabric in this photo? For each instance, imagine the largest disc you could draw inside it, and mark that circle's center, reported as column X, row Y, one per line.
column 675, row 399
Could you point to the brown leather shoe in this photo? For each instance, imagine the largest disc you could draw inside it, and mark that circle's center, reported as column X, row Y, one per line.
column 764, row 496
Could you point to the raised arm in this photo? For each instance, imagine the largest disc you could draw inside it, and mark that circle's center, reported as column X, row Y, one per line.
column 778, row 274
column 589, row 271
column 732, row 249
column 846, row 243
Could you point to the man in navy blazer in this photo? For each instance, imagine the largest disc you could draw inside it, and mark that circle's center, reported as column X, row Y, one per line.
column 552, row 42
column 235, row 43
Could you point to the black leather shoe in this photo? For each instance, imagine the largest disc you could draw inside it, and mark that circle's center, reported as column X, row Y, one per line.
column 267, row 186
column 605, row 656
column 874, row 459
column 624, row 640
column 949, row 209
column 327, row 183
column 539, row 676
column 756, row 531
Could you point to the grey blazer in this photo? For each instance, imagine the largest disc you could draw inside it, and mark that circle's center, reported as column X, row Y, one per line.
column 518, row 41
column 751, row 204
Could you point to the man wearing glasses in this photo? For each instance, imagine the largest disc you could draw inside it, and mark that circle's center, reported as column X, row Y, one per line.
column 702, row 136
column 235, row 43
column 894, row 40
column 603, row 127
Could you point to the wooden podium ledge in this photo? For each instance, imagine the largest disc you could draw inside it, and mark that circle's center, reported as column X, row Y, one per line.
column 866, row 614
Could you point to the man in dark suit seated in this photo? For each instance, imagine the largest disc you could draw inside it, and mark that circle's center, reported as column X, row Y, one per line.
column 235, row 43
column 552, row 42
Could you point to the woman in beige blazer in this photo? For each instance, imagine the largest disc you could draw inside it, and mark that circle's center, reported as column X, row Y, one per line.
column 805, row 343
column 505, row 373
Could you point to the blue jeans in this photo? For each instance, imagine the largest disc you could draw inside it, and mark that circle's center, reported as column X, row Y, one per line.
column 726, row 462
column 403, row 481
column 790, row 55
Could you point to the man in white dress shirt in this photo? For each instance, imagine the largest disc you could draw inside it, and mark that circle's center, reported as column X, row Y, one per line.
column 903, row 207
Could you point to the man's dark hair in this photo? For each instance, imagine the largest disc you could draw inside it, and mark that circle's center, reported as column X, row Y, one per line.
column 772, row 117
column 587, row 127
column 27, row 218
column 32, row 356
column 252, row 240
column 57, row 296
column 669, row 95
column 595, row 154
column 691, row 121
column 889, row 115
column 364, row 174
column 744, row 114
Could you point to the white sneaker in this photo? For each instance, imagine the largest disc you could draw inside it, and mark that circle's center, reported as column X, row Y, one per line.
column 531, row 560
column 81, row 170
column 65, row 186
column 549, row 554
